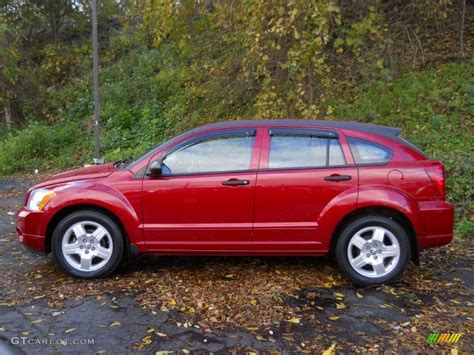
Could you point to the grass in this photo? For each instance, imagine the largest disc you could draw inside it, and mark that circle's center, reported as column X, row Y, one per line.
column 435, row 109
column 144, row 101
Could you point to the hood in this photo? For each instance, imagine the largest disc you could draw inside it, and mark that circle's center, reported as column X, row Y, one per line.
column 90, row 172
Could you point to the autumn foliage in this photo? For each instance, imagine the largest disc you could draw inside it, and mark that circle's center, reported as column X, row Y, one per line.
column 170, row 65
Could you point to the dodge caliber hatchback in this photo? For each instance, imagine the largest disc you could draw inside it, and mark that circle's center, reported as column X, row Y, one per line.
column 265, row 187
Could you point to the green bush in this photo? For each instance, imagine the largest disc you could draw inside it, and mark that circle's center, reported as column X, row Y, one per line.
column 146, row 98
column 43, row 147
column 435, row 109
column 464, row 229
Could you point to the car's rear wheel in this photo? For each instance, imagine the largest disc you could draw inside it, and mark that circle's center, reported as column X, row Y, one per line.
column 373, row 250
column 87, row 244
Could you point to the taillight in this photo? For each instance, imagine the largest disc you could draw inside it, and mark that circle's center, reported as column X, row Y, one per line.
column 437, row 176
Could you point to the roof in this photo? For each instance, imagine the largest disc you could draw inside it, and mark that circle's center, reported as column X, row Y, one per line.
column 380, row 130
column 385, row 131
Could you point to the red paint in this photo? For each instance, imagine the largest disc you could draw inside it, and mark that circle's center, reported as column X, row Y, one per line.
column 285, row 211
column 198, row 210
column 289, row 204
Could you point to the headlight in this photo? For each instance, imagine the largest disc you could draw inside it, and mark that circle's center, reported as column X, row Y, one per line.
column 39, row 198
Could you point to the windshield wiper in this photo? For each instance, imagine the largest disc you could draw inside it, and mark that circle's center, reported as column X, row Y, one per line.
column 121, row 164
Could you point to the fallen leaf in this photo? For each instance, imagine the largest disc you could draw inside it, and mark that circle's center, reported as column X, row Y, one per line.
column 294, row 320
column 70, row 330
column 172, row 303
column 115, row 324
column 340, row 305
column 331, row 350
column 37, row 321
column 8, row 304
column 334, row 317
column 150, row 330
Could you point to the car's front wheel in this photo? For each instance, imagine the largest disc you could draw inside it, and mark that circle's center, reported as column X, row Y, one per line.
column 87, row 244
column 373, row 250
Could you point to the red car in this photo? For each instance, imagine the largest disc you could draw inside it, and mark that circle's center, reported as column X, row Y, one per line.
column 264, row 187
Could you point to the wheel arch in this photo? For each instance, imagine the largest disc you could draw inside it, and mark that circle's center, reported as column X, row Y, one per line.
column 59, row 215
column 382, row 211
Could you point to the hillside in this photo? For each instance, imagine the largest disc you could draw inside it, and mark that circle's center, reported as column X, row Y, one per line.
column 168, row 66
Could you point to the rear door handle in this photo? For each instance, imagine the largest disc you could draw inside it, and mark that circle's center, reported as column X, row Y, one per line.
column 337, row 177
column 235, row 182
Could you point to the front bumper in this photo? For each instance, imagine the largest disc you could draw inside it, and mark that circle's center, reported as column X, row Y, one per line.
column 31, row 228
column 438, row 221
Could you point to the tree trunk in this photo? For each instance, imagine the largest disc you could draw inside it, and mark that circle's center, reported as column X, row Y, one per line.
column 463, row 17
column 209, row 5
column 8, row 115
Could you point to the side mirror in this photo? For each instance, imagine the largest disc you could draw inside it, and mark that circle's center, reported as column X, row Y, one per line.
column 155, row 168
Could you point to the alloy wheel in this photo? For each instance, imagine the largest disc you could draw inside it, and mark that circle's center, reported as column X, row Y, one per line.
column 373, row 252
column 87, row 246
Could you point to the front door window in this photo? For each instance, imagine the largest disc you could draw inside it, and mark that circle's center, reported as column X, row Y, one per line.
column 215, row 154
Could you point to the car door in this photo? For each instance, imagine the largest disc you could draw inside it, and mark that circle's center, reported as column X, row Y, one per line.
column 302, row 172
column 203, row 200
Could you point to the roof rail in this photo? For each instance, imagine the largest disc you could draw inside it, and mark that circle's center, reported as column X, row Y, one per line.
column 357, row 126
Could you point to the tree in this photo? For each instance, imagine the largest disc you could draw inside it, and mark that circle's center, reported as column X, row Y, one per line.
column 56, row 13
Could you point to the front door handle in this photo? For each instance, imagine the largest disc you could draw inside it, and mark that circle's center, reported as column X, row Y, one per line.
column 235, row 182
column 337, row 177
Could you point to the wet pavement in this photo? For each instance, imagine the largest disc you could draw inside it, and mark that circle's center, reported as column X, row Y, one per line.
column 275, row 305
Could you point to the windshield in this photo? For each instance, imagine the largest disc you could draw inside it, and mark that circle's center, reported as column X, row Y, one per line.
column 146, row 155
column 150, row 152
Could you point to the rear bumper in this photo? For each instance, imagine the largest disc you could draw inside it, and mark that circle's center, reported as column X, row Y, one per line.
column 437, row 218
column 31, row 228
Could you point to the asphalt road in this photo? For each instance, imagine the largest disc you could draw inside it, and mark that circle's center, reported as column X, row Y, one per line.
column 225, row 305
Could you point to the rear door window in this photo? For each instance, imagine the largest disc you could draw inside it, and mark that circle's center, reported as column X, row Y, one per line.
column 294, row 149
column 367, row 152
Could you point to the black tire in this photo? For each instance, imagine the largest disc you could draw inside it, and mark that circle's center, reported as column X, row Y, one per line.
column 105, row 221
column 342, row 244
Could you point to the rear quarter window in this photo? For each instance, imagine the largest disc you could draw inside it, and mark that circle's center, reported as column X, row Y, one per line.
column 367, row 152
